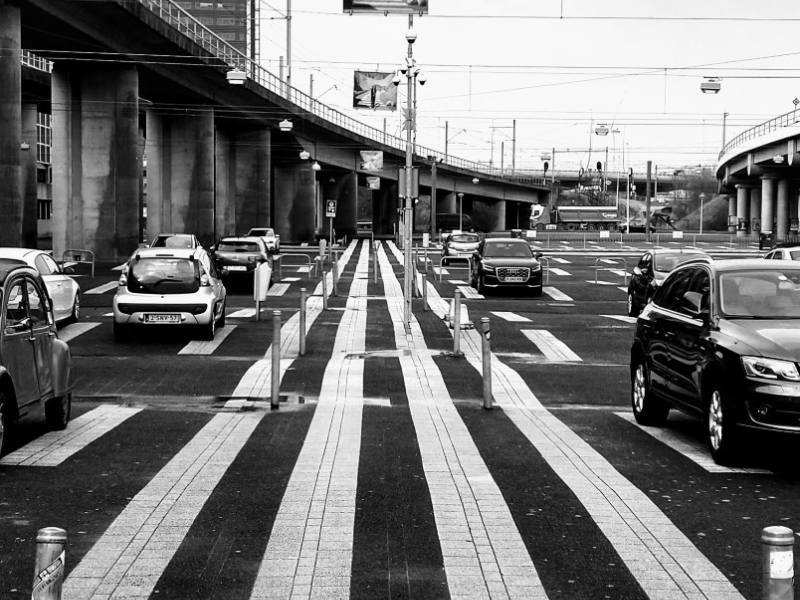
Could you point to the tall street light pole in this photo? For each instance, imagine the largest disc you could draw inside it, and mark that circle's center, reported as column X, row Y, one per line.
column 408, row 209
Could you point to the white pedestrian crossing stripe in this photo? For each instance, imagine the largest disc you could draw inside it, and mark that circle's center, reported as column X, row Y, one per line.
column 513, row 317
column 55, row 447
column 207, row 347
column 624, row 318
column 457, row 281
column 690, row 448
column 562, row 261
column 73, row 330
column 277, row 289
column 102, row 289
column 553, row 349
column 556, row 294
column 468, row 292
column 243, row 313
column 561, row 272
column 599, row 282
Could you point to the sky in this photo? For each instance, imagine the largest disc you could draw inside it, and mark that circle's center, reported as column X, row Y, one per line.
column 542, row 75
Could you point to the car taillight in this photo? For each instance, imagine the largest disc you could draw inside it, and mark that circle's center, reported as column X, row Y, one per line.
column 204, row 280
column 123, row 279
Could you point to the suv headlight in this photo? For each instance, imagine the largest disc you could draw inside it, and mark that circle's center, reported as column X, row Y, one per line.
column 768, row 368
column 488, row 268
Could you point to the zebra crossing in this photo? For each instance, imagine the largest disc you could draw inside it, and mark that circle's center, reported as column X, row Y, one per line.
column 310, row 547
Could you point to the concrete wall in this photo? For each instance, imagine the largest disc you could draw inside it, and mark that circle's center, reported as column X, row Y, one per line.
column 11, row 198
column 295, row 209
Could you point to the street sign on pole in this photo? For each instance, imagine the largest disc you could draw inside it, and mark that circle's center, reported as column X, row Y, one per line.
column 330, row 208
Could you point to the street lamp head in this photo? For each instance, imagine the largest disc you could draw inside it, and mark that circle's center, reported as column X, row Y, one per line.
column 422, row 78
column 236, row 76
column 396, row 79
column 316, row 166
column 285, row 125
column 304, row 155
column 476, row 181
column 711, row 85
column 601, row 130
column 411, row 35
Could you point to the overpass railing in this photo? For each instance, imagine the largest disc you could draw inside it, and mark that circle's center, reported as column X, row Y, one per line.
column 184, row 22
column 774, row 124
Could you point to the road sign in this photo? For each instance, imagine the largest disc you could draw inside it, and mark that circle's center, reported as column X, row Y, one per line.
column 330, row 208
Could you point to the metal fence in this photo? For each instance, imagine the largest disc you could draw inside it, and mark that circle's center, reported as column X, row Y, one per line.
column 774, row 124
column 559, row 240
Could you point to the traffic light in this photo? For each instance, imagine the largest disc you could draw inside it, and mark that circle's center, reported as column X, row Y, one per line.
column 546, row 166
column 630, row 176
column 599, row 167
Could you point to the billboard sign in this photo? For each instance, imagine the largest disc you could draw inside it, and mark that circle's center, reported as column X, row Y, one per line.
column 371, row 160
column 374, row 90
column 373, row 183
column 395, row 7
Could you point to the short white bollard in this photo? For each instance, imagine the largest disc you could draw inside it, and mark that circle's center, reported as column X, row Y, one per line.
column 324, row 291
column 777, row 563
column 425, row 291
column 302, row 321
column 275, row 399
column 375, row 262
column 457, row 323
column 335, row 276
column 50, row 556
column 486, row 348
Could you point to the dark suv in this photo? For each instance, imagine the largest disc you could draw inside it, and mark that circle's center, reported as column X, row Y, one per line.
column 722, row 341
column 506, row 263
column 651, row 270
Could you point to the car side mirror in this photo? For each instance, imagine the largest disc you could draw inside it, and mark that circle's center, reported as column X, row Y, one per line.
column 692, row 304
column 538, row 255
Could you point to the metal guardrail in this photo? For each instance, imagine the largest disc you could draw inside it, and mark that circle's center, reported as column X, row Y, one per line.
column 74, row 255
column 616, row 260
column 184, row 22
column 634, row 241
column 279, row 259
column 450, row 266
column 36, row 62
column 773, row 124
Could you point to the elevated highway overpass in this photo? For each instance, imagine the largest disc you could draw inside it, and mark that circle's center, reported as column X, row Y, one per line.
column 138, row 82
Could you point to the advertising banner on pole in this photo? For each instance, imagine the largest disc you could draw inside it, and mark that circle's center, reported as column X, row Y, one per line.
column 375, row 90
column 371, row 160
column 373, row 183
column 396, row 7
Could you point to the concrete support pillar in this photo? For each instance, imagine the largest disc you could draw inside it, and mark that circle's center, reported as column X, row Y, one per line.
column 755, row 207
column 224, row 186
column 29, row 186
column 344, row 189
column 97, row 166
column 11, row 198
column 488, row 213
column 295, row 213
column 768, row 192
column 384, row 205
column 731, row 213
column 448, row 204
column 783, row 209
column 742, row 205
column 180, row 175
column 253, row 178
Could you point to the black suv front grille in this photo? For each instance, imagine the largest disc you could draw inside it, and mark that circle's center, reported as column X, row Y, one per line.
column 504, row 273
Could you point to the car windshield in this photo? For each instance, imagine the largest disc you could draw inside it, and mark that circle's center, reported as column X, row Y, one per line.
column 163, row 276
column 262, row 232
column 237, row 246
column 7, row 265
column 172, row 241
column 664, row 263
column 465, row 238
column 773, row 294
column 507, row 249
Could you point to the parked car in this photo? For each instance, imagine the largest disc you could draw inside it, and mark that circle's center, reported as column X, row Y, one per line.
column 35, row 366
column 271, row 239
column 784, row 252
column 175, row 240
column 650, row 272
column 63, row 289
column 240, row 256
column 170, row 287
column 460, row 245
column 722, row 341
column 506, row 263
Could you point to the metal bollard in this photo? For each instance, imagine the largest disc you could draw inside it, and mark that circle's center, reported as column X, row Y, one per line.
column 302, row 321
column 279, row 261
column 335, row 276
column 777, row 563
column 324, row 291
column 375, row 263
column 425, row 291
column 457, row 323
column 486, row 347
column 50, row 556
column 276, row 360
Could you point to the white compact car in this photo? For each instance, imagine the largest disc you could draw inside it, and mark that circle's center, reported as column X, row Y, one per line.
column 170, row 287
column 271, row 239
column 63, row 289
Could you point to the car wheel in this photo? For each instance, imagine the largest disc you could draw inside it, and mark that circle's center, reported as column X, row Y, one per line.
column 221, row 322
column 646, row 409
column 632, row 310
column 57, row 412
column 209, row 330
column 721, row 429
column 76, row 309
column 481, row 286
column 120, row 332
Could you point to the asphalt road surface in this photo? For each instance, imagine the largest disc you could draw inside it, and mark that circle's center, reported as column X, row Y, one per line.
column 381, row 475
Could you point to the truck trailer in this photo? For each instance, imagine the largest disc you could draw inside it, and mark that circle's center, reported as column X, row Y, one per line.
column 575, row 218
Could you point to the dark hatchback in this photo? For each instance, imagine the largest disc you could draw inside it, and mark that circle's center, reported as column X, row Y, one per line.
column 240, row 256
column 722, row 341
column 507, row 263
column 650, row 272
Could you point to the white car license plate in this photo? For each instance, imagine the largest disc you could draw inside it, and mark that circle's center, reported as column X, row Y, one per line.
column 237, row 268
column 464, row 254
column 162, row 318
column 515, row 279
